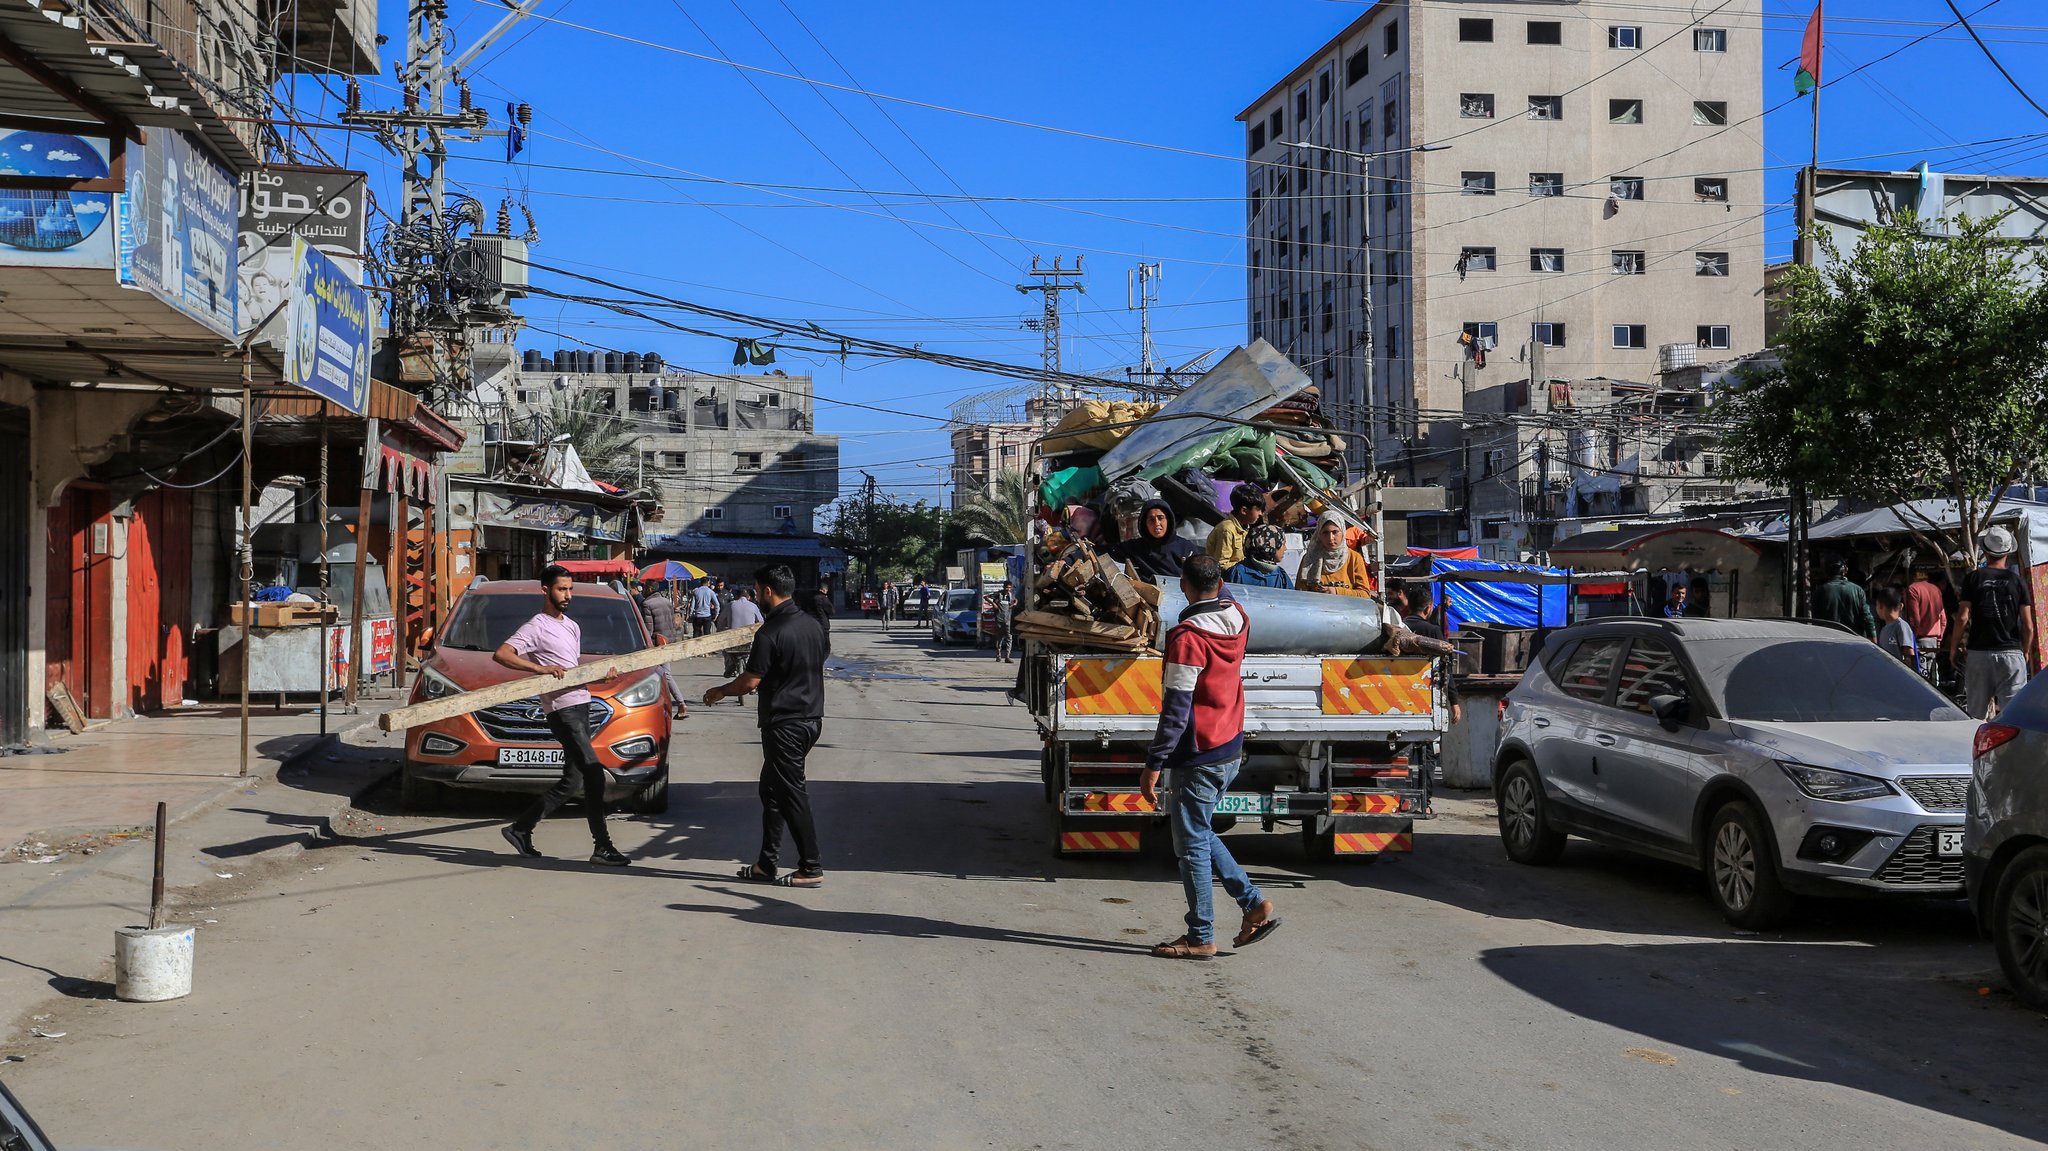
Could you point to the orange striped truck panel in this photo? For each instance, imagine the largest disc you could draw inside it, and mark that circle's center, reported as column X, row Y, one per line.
column 1373, row 842
column 1128, row 686
column 1355, row 803
column 1377, row 686
column 1098, row 841
column 1124, row 801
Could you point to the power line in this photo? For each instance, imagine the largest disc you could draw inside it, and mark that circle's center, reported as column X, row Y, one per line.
column 1986, row 49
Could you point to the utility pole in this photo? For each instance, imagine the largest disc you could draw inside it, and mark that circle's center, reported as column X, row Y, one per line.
column 1050, row 282
column 1140, row 294
column 868, row 534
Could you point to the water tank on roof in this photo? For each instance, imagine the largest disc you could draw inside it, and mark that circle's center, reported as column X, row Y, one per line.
column 565, row 360
column 1671, row 357
column 632, row 362
column 614, row 363
column 534, row 361
column 650, row 361
column 670, row 401
column 657, row 396
column 587, row 362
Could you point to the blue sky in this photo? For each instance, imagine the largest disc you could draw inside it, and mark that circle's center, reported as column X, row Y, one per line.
column 645, row 165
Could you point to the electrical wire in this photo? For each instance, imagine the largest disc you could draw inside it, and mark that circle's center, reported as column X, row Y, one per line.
column 1989, row 55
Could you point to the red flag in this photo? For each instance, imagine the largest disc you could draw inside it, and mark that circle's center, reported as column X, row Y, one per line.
column 1809, row 55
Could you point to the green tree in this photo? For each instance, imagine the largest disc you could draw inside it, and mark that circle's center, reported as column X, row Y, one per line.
column 608, row 445
column 1000, row 515
column 1916, row 366
column 900, row 538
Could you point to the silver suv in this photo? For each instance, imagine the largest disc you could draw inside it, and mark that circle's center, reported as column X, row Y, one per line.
column 1778, row 757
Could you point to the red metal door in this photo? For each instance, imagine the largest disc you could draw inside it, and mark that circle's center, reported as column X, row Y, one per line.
column 159, row 599
column 80, row 572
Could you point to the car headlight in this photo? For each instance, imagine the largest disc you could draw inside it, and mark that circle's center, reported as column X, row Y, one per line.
column 438, row 686
column 1826, row 783
column 644, row 691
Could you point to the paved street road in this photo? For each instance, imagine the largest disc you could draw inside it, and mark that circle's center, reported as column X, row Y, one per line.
column 955, row 986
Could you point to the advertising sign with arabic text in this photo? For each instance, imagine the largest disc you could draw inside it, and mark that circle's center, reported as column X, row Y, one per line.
column 177, row 235
column 327, row 330
column 322, row 206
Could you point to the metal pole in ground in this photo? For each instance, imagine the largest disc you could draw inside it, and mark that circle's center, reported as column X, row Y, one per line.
column 320, row 505
column 247, row 554
column 156, row 883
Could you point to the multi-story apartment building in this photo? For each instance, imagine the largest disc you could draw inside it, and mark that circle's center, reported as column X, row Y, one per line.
column 729, row 454
column 981, row 452
column 1443, row 189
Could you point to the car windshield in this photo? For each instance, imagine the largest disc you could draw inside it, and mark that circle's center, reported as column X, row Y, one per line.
column 960, row 600
column 485, row 622
column 1815, row 681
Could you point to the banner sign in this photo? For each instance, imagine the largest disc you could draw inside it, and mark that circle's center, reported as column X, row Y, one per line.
column 327, row 330
column 993, row 575
column 177, row 237
column 54, row 229
column 541, row 514
column 388, row 466
column 322, row 206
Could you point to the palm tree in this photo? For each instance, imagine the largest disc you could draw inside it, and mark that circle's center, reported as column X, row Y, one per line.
column 607, row 445
column 1002, row 513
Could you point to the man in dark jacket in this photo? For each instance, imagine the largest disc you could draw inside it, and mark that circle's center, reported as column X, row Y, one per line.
column 1841, row 600
column 1200, row 738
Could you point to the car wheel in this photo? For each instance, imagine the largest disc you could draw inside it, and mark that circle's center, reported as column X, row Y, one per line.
column 1525, row 830
column 416, row 794
column 652, row 799
column 1742, row 869
column 2019, row 925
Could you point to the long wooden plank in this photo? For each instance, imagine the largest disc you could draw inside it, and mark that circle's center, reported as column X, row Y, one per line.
column 434, row 710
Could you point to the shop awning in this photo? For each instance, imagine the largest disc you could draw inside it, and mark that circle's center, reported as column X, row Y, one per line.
column 1657, row 547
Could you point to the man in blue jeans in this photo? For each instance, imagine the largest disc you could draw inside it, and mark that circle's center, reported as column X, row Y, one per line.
column 1201, row 740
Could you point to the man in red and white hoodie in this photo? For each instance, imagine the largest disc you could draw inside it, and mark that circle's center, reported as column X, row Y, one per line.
column 1201, row 740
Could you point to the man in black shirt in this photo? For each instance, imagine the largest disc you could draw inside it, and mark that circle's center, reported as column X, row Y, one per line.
column 787, row 667
column 1995, row 609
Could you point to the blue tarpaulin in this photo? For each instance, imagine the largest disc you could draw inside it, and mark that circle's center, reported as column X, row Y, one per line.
column 1481, row 592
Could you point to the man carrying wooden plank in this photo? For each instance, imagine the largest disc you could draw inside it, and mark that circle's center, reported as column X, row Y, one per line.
column 550, row 644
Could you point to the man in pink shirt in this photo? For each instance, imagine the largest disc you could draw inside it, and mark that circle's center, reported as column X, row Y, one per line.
column 550, row 644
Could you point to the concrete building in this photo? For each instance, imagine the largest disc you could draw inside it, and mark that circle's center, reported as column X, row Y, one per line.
column 981, row 452
column 729, row 454
column 1443, row 192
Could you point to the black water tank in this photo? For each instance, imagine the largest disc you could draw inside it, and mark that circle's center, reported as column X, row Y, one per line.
column 533, row 361
column 650, row 361
column 657, row 396
column 632, row 362
column 614, row 363
column 565, row 360
column 671, row 401
column 586, row 362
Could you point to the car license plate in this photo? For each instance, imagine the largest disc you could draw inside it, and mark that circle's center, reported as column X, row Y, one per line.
column 530, row 757
column 1242, row 804
column 1948, row 841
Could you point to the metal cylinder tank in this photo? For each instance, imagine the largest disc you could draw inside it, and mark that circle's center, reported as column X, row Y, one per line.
column 533, row 361
column 1291, row 622
column 632, row 362
column 565, row 360
column 650, row 361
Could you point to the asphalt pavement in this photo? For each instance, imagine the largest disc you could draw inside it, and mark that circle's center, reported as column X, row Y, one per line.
column 413, row 985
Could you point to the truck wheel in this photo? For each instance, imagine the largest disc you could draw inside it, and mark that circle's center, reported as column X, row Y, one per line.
column 1742, row 869
column 2019, row 927
column 1049, row 771
column 1319, row 846
column 1525, row 830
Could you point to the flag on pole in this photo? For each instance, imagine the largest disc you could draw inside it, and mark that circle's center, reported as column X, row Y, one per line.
column 515, row 133
column 1809, row 56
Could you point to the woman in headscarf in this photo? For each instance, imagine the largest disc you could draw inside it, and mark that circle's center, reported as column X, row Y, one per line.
column 1330, row 564
column 1264, row 545
column 1155, row 552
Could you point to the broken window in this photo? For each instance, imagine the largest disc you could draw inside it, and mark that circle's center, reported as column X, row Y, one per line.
column 1476, row 106
column 1476, row 260
column 1710, row 112
column 1624, row 36
column 1475, row 30
column 1713, row 188
column 1631, row 336
column 1301, row 108
column 1710, row 263
column 1625, row 187
column 1393, row 341
column 1476, row 183
column 1546, row 259
column 1713, row 335
column 1323, row 87
column 1356, row 68
column 1390, row 37
column 1275, row 124
column 1624, row 111
column 1546, row 183
column 1627, row 263
column 1258, row 135
column 1546, row 107
column 1710, row 39
column 746, row 461
column 1546, row 32
column 1390, row 120
column 1546, row 333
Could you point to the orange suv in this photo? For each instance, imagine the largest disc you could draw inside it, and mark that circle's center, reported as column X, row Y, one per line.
column 507, row 747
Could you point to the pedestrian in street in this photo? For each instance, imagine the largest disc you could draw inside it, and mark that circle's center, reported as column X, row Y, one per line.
column 703, row 608
column 550, row 644
column 1928, row 617
column 1842, row 601
column 745, row 613
column 1265, row 549
column 1331, row 564
column 1674, row 605
column 1006, row 615
column 787, row 667
column 923, row 597
column 1996, row 622
column 1894, row 634
column 888, row 604
column 1200, row 739
column 660, row 613
column 1247, row 511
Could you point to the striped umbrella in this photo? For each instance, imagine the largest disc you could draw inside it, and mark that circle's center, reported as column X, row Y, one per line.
column 672, row 570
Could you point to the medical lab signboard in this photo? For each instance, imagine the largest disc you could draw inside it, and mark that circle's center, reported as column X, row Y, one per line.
column 322, row 206
column 327, row 330
column 177, row 238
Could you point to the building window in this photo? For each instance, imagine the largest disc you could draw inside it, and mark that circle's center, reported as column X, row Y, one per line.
column 1631, row 336
column 1624, row 36
column 1710, row 39
column 1476, row 183
column 1710, row 263
column 1547, row 334
column 1258, row 325
column 1476, row 31
column 1301, row 243
column 1393, row 341
column 1009, row 451
column 1325, row 237
column 1482, row 334
column 746, row 461
column 1546, row 183
column 1627, row 263
column 1476, row 260
column 675, row 461
column 1390, row 38
column 1258, row 138
column 714, row 513
column 1624, row 111
column 1625, row 187
column 1258, row 259
column 782, row 511
column 1275, row 124
column 1546, row 32
column 1711, row 188
column 1390, row 120
column 1323, row 87
column 1546, row 259
column 1546, row 107
column 1301, row 108
column 1712, row 335
column 1713, row 113
column 1476, row 106
column 1356, row 68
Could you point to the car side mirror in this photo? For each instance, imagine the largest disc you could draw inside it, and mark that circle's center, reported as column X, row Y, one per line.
column 1670, row 710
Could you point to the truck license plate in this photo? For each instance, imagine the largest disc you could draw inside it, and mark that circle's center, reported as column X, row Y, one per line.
column 530, row 757
column 1948, row 841
column 1239, row 803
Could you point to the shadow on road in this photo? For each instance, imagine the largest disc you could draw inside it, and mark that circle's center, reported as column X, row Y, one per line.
column 1924, row 1042
column 773, row 912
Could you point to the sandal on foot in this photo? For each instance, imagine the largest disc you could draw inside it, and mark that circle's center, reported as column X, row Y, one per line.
column 1182, row 949
column 752, row 873
column 799, row 879
column 1252, row 933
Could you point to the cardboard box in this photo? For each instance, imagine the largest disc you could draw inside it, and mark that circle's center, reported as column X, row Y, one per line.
column 282, row 614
